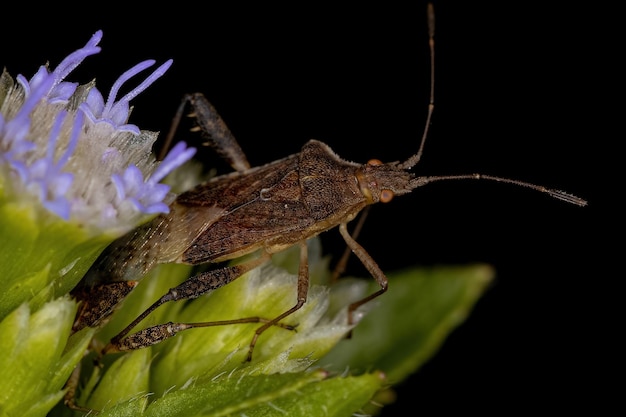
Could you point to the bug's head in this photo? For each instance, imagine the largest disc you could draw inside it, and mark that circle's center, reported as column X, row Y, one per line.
column 380, row 182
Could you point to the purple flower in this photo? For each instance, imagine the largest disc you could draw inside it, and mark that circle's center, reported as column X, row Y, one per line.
column 148, row 196
column 59, row 91
column 13, row 133
column 94, row 176
column 114, row 112
column 45, row 178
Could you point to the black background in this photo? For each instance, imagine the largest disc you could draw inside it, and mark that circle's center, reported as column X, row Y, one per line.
column 517, row 95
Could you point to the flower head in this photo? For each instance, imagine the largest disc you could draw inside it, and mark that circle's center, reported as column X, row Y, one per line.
column 147, row 196
column 60, row 91
column 116, row 113
column 63, row 145
column 45, row 176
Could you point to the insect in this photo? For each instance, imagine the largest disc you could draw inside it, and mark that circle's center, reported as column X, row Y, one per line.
column 253, row 210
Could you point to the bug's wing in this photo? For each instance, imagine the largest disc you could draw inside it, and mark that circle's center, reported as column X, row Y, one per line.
column 182, row 229
column 161, row 240
column 265, row 204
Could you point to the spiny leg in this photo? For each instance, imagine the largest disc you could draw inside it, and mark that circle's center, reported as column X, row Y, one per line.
column 214, row 130
column 98, row 302
column 190, row 289
column 203, row 283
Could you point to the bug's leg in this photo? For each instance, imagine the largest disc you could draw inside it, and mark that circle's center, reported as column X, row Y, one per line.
column 98, row 302
column 71, row 385
column 169, row 329
column 303, row 290
column 371, row 266
column 192, row 288
column 340, row 267
column 69, row 399
column 213, row 129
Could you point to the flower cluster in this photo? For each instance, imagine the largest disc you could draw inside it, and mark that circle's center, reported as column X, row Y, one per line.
column 75, row 152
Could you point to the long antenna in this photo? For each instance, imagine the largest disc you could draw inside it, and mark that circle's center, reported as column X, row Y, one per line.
column 558, row 194
column 413, row 160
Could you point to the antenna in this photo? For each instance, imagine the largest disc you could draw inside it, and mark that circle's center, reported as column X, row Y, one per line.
column 413, row 160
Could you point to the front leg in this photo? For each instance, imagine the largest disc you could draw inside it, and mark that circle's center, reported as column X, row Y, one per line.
column 370, row 264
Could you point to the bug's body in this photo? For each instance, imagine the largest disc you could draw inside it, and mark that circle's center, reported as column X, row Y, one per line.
column 270, row 207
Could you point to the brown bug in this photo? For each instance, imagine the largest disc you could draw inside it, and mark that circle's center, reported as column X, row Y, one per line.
column 261, row 210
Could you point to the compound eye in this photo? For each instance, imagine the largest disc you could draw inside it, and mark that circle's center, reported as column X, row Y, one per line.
column 374, row 162
column 386, row 196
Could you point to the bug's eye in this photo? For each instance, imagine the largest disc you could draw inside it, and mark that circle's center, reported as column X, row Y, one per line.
column 386, row 196
column 374, row 162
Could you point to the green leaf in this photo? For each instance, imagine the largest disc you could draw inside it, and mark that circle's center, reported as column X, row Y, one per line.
column 240, row 393
column 34, row 364
column 125, row 382
column 408, row 323
column 41, row 256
